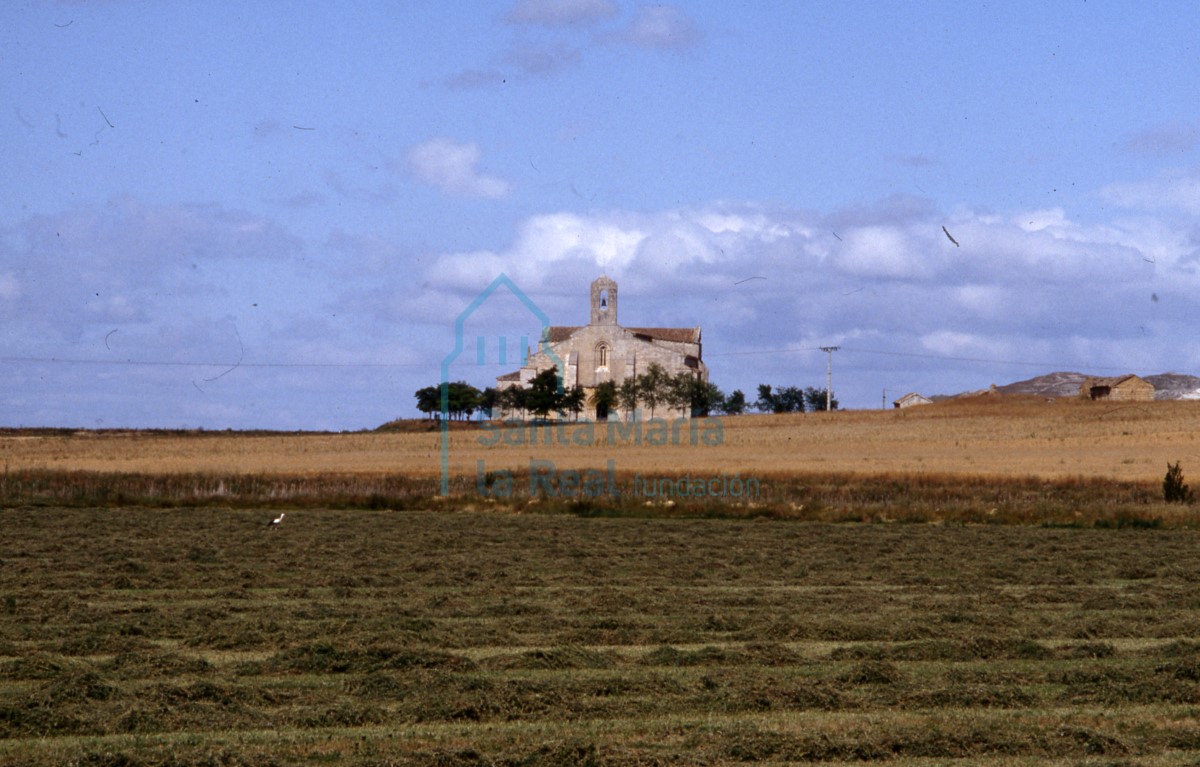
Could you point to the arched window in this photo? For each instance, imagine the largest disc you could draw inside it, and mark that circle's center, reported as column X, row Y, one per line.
column 602, row 356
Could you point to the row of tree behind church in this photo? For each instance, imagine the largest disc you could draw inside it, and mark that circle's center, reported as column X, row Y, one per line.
column 653, row 390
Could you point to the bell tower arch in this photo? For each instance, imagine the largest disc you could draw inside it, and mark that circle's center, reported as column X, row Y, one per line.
column 604, row 302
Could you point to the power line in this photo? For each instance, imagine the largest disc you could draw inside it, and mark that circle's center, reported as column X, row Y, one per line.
column 189, row 364
column 921, row 355
column 400, row 365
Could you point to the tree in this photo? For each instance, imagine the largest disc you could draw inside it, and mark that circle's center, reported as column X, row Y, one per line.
column 429, row 400
column 766, row 399
column 789, row 399
column 697, row 397
column 679, row 390
column 654, row 386
column 816, row 399
column 734, row 404
column 710, row 399
column 514, row 399
column 573, row 400
column 488, row 400
column 604, row 399
column 462, row 399
column 628, row 394
column 545, row 393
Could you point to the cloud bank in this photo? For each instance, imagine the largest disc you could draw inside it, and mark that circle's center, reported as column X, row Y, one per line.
column 569, row 30
column 173, row 315
column 453, row 168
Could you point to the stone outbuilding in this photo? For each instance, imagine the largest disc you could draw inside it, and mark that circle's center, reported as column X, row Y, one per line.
column 911, row 399
column 1127, row 388
column 604, row 350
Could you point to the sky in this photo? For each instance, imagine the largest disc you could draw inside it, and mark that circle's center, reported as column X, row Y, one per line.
column 285, row 215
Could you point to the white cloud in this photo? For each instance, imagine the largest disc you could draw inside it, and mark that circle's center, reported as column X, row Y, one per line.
column 1037, row 220
column 1178, row 191
column 611, row 244
column 558, row 13
column 569, row 29
column 452, row 167
column 661, row 27
column 952, row 343
column 625, row 245
column 198, row 282
column 469, row 79
column 884, row 251
column 1174, row 137
column 542, row 60
column 1034, row 287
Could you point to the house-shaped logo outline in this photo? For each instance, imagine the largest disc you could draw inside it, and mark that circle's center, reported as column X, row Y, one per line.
column 459, row 322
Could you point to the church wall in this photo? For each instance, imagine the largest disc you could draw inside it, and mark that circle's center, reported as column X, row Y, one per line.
column 628, row 354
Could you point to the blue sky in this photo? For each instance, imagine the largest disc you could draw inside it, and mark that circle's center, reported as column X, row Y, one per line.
column 235, row 215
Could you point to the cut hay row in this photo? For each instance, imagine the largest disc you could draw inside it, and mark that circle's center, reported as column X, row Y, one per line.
column 193, row 636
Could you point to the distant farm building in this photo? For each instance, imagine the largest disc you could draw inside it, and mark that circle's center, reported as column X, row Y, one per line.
column 911, row 399
column 1129, row 388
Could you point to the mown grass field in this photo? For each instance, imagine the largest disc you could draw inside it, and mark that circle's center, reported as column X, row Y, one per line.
column 195, row 636
column 965, row 599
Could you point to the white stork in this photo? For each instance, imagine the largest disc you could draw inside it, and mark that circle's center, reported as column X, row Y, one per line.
column 274, row 523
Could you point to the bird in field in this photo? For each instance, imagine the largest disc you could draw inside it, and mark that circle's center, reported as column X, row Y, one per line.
column 274, row 523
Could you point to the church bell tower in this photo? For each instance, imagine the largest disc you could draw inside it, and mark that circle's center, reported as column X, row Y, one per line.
column 604, row 302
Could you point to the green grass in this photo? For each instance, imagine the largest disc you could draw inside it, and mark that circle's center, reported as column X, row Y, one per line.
column 814, row 497
column 135, row 636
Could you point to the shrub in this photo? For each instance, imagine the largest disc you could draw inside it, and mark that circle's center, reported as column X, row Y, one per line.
column 1174, row 488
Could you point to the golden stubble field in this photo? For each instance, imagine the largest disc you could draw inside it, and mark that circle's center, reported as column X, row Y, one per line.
column 986, row 436
column 1021, row 595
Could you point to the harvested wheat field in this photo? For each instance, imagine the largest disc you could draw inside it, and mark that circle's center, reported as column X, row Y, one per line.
column 993, row 436
column 991, row 583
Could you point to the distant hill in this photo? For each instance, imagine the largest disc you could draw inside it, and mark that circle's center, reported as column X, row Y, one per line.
column 1175, row 386
column 1049, row 385
column 1166, row 385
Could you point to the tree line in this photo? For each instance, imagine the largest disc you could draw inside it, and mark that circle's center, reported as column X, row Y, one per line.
column 792, row 399
column 651, row 391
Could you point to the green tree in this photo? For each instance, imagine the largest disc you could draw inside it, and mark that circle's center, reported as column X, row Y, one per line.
column 573, row 400
column 791, row 399
column 734, row 404
column 489, row 398
column 628, row 394
column 679, row 390
column 654, row 386
column 766, row 399
column 514, row 399
column 604, row 399
column 816, row 399
column 462, row 399
column 545, row 393
column 429, row 400
column 693, row 395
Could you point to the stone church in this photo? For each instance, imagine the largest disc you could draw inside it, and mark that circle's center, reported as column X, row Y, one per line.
column 603, row 350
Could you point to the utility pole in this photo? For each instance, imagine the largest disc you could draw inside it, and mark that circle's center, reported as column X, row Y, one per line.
column 829, row 350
